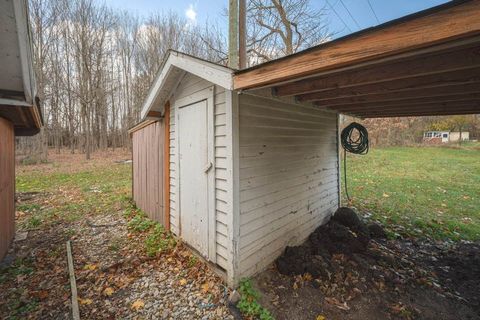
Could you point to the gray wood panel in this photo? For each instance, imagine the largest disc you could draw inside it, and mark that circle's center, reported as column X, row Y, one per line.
column 148, row 150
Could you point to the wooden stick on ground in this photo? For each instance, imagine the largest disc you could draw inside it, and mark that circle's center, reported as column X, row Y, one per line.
column 73, row 283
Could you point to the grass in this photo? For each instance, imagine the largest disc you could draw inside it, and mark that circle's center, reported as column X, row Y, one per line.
column 157, row 239
column 248, row 303
column 73, row 195
column 420, row 191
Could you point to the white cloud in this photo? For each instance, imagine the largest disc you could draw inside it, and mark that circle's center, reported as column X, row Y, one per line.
column 191, row 14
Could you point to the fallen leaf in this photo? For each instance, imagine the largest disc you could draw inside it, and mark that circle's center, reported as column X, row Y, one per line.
column 205, row 287
column 137, row 305
column 108, row 291
column 321, row 318
column 90, row 267
column 307, row 277
column 183, row 282
column 385, row 195
column 85, row 301
column 41, row 294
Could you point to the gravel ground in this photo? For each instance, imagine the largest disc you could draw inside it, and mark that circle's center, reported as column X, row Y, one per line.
column 116, row 280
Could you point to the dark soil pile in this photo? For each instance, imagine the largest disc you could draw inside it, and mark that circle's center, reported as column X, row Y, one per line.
column 459, row 270
column 353, row 263
column 344, row 234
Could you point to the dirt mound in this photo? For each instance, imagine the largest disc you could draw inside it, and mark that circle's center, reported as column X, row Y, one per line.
column 376, row 231
column 345, row 233
column 349, row 270
column 349, row 218
column 459, row 269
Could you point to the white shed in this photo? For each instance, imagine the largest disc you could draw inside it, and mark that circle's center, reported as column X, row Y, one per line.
column 241, row 164
column 249, row 173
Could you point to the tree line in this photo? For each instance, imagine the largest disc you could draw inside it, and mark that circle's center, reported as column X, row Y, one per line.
column 94, row 65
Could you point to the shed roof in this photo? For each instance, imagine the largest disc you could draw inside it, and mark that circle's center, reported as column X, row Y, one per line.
column 174, row 66
column 427, row 63
column 18, row 95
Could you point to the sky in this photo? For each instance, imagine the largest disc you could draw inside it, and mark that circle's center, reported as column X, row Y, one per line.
column 343, row 16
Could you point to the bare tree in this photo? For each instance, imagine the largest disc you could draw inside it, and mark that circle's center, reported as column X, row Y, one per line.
column 282, row 27
column 94, row 67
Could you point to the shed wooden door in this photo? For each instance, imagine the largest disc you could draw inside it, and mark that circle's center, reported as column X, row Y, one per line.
column 194, row 167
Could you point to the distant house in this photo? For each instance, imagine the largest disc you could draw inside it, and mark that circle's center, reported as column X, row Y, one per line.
column 437, row 137
column 20, row 114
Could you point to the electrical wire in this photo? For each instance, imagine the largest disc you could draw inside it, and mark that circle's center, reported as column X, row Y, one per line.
column 358, row 145
column 350, row 14
column 373, row 11
column 338, row 16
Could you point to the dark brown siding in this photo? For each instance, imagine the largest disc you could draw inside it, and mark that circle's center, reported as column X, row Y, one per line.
column 148, row 150
column 7, row 185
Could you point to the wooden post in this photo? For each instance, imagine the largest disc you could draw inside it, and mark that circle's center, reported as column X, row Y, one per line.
column 73, row 283
column 233, row 34
column 166, row 166
column 242, row 34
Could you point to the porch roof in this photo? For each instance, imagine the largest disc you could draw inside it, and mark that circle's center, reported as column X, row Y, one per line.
column 423, row 64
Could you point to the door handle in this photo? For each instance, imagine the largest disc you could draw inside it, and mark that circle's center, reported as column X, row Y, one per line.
column 207, row 168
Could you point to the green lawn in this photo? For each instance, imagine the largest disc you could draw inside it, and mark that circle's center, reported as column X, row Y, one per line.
column 432, row 191
column 73, row 195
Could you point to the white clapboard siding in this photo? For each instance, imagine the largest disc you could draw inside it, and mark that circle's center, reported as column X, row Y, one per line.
column 188, row 86
column 288, row 176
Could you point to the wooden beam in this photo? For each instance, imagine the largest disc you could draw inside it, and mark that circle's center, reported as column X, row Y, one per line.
column 424, row 109
column 427, row 64
column 437, row 25
column 413, row 106
column 408, row 102
column 73, row 283
column 154, row 114
column 166, row 166
column 418, row 113
column 422, row 82
column 402, row 95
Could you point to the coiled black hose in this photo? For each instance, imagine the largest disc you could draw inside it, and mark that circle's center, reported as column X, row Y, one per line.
column 353, row 143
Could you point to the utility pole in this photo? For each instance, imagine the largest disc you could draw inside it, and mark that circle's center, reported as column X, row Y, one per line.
column 237, row 42
column 233, row 34
column 242, row 34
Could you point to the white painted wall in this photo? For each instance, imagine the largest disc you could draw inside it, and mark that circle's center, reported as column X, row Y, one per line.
column 455, row 136
column 288, row 176
column 188, row 86
column 276, row 174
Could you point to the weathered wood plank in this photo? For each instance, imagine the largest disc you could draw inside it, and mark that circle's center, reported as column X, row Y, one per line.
column 427, row 64
column 148, row 167
column 444, row 80
column 464, row 104
column 416, row 95
column 73, row 283
column 7, row 185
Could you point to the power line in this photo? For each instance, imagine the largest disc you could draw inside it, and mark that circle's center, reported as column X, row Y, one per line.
column 373, row 11
column 350, row 14
column 338, row 16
